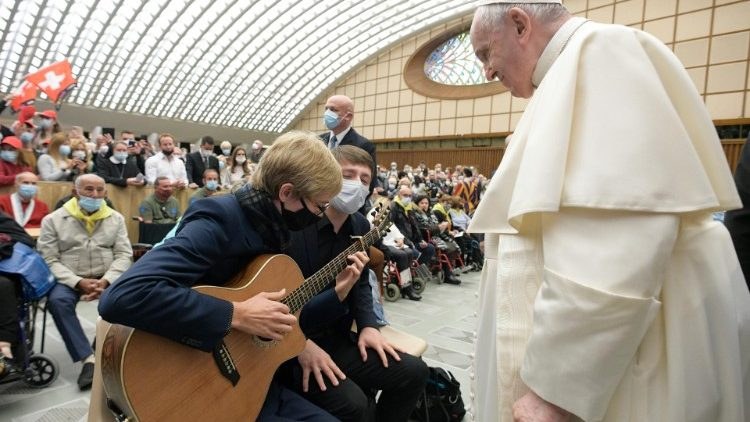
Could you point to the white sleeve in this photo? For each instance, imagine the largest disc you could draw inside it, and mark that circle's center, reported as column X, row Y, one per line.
column 151, row 165
column 602, row 280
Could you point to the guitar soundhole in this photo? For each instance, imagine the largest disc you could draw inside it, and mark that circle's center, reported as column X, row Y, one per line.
column 263, row 341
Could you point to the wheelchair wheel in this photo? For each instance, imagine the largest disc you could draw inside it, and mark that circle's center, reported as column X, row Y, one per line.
column 42, row 371
column 418, row 284
column 392, row 292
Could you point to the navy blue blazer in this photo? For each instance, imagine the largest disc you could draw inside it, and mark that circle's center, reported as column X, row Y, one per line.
column 214, row 241
column 194, row 167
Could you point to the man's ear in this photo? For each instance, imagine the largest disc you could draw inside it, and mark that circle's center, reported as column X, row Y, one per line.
column 521, row 21
column 286, row 192
column 74, row 192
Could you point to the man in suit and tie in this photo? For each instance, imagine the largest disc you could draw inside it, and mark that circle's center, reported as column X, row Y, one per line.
column 198, row 162
column 338, row 116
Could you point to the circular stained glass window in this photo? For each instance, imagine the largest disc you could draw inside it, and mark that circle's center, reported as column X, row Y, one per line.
column 453, row 63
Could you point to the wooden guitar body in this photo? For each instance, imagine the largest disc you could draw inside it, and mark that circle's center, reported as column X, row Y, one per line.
column 151, row 378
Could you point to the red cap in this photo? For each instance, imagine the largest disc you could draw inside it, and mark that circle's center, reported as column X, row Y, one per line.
column 12, row 141
column 50, row 114
column 27, row 113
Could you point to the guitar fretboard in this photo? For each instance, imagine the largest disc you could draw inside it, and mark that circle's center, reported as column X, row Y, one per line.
column 318, row 281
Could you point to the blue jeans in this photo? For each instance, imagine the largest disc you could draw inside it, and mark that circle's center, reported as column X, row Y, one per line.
column 61, row 303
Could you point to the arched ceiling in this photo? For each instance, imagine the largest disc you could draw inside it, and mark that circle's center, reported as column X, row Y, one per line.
column 247, row 64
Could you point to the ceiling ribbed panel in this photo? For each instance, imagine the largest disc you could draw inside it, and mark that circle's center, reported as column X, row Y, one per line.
column 246, row 64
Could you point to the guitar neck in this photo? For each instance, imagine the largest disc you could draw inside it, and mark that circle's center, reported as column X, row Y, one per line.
column 318, row 281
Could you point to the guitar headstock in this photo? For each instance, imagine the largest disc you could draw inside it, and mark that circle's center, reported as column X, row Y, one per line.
column 381, row 218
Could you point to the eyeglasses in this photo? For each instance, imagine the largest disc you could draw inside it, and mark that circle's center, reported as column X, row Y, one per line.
column 321, row 207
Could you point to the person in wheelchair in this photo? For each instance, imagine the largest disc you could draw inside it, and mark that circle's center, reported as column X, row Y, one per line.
column 396, row 249
column 469, row 243
column 10, row 296
column 428, row 223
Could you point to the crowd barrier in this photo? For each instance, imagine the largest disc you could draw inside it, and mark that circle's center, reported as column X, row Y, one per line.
column 126, row 200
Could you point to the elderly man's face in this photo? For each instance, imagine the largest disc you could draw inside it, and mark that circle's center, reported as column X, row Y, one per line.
column 504, row 52
column 93, row 188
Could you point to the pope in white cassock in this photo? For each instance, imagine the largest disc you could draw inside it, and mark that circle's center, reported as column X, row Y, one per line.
column 608, row 293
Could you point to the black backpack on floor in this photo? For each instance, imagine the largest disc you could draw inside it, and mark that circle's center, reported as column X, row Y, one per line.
column 441, row 400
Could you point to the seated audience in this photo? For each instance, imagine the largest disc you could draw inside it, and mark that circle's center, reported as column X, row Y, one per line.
column 427, row 223
column 166, row 163
column 160, row 207
column 338, row 368
column 85, row 244
column 55, row 166
column 296, row 175
column 11, row 162
column 210, row 185
column 121, row 167
column 22, row 204
column 403, row 218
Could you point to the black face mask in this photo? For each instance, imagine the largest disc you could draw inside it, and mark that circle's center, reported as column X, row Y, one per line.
column 298, row 220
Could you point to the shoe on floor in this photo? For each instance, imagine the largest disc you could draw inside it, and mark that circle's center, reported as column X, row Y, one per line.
column 8, row 368
column 86, row 378
column 452, row 280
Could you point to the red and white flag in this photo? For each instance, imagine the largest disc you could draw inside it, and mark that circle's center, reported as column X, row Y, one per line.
column 25, row 94
column 55, row 80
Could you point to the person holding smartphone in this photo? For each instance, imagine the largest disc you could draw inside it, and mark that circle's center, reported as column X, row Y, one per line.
column 121, row 168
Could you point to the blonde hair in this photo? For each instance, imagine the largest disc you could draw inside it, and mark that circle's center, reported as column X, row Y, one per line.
column 302, row 159
column 56, row 140
column 80, row 142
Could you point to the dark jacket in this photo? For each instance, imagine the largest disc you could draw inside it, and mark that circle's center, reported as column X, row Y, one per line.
column 214, row 241
column 195, row 167
column 355, row 139
column 358, row 304
column 118, row 174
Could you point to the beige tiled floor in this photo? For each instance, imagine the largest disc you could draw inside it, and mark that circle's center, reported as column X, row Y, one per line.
column 445, row 318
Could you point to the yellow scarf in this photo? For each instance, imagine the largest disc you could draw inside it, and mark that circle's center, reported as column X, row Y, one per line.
column 407, row 208
column 439, row 208
column 90, row 220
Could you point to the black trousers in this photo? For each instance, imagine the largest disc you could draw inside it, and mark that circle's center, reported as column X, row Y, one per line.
column 8, row 310
column 400, row 384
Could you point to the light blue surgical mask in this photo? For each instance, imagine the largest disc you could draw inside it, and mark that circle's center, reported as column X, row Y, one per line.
column 331, row 119
column 351, row 198
column 64, row 150
column 46, row 123
column 89, row 204
column 9, row 156
column 121, row 156
column 222, row 165
column 212, row 185
column 27, row 191
column 226, row 151
column 27, row 137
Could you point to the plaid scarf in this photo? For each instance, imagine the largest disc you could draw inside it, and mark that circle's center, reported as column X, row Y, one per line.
column 264, row 217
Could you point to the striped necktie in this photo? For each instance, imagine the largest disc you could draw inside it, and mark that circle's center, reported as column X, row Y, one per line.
column 332, row 142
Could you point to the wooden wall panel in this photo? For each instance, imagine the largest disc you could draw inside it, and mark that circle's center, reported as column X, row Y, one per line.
column 485, row 159
column 125, row 200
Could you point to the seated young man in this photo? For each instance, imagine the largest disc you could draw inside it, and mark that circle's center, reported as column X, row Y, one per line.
column 215, row 240
column 339, row 368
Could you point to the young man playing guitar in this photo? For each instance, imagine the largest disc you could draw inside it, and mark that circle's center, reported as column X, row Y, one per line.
column 339, row 369
column 215, row 241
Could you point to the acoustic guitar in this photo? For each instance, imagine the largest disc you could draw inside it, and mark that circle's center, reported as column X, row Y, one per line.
column 151, row 378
